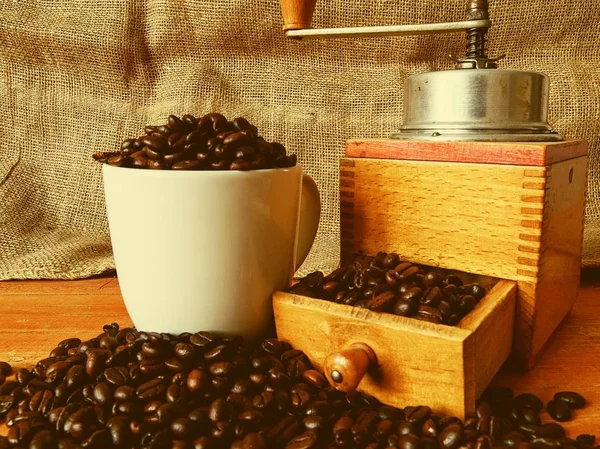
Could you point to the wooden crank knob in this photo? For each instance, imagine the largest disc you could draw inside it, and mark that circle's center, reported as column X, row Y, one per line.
column 344, row 370
column 297, row 14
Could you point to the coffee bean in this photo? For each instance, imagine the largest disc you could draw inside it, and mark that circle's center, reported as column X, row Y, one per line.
column 186, row 165
column 7, row 387
column 103, row 393
column 96, row 363
column 57, row 371
column 404, row 307
column 6, row 403
column 152, row 367
column 23, row 376
column 220, row 410
column 367, row 283
column 223, row 368
column 531, row 401
column 419, row 415
column 431, row 297
column 529, row 416
column 573, row 400
column 586, row 439
column 44, row 439
column 315, row 378
column 117, row 376
column 451, row 436
column 405, row 427
column 210, row 143
column 151, row 389
column 558, row 410
column 198, row 380
column 409, row 441
column 306, row 440
column 5, row 369
column 545, row 443
column 266, row 395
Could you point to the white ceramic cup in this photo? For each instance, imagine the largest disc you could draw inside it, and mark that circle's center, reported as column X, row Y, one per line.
column 204, row 250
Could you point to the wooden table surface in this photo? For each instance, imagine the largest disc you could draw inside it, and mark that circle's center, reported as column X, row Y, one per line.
column 35, row 315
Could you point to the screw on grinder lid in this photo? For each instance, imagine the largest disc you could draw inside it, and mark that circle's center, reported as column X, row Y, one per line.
column 477, row 105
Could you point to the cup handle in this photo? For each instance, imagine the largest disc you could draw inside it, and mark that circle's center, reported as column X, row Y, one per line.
column 310, row 213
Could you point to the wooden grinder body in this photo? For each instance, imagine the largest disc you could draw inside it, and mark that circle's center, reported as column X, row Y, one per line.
column 509, row 211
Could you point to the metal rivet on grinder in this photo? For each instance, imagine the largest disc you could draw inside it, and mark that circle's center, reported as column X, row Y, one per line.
column 337, row 377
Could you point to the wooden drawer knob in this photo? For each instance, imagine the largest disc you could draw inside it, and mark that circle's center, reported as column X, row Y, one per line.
column 344, row 370
column 297, row 14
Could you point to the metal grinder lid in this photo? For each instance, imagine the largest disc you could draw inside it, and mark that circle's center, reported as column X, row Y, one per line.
column 477, row 105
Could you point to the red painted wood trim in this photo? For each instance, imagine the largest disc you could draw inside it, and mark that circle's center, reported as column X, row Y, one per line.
column 507, row 153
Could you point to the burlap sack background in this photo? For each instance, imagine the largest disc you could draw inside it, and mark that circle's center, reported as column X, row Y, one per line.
column 78, row 76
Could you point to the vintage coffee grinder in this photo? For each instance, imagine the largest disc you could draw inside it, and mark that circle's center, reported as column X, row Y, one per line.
column 474, row 180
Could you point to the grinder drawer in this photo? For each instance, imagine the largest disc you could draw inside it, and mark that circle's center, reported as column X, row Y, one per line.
column 403, row 361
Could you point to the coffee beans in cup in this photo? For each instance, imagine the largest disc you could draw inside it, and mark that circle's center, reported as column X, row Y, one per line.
column 210, row 142
column 131, row 389
column 385, row 283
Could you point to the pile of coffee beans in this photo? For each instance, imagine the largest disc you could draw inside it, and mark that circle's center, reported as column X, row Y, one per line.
column 207, row 143
column 385, row 283
column 131, row 389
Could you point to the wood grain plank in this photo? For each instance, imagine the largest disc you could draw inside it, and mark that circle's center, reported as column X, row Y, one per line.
column 94, row 286
column 528, row 154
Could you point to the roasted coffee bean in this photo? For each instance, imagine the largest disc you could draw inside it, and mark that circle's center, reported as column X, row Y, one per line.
column 484, row 442
column 151, row 389
column 268, row 391
column 152, row 367
column 404, row 427
column 306, row 440
column 103, row 393
column 190, row 144
column 6, row 403
column 431, row 297
column 59, row 352
column 220, row 410
column 8, row 386
column 221, row 368
column 409, row 441
column 96, row 362
column 529, row 416
column 23, row 376
column 42, row 401
column 80, row 422
column 32, row 387
column 44, row 439
column 545, row 443
column 405, row 307
column 430, row 312
column 531, row 401
column 571, row 399
column 451, row 436
column 552, row 430
column 430, row 429
column 382, row 302
column 56, row 372
column 419, row 415
column 367, row 283
column 586, row 439
column 5, row 369
column 315, row 378
column 198, row 380
column 117, row 376
column 558, row 410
